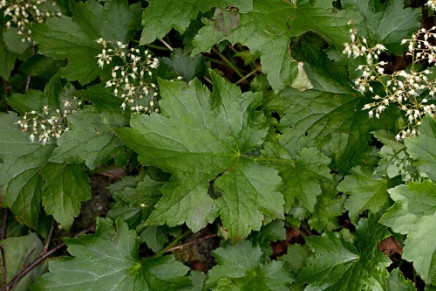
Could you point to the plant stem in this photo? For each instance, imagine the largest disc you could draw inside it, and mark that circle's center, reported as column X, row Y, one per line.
column 247, row 76
column 215, row 61
column 173, row 243
column 195, row 241
column 29, row 77
column 2, row 237
column 228, row 62
column 4, row 288
column 5, row 224
column 50, row 234
column 166, row 44
column 162, row 48
column 30, row 267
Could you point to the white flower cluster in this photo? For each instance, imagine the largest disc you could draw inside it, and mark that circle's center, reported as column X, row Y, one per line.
column 431, row 4
column 48, row 124
column 130, row 81
column 410, row 90
column 20, row 13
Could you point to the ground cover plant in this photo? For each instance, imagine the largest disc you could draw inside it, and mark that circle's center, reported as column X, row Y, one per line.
column 218, row 145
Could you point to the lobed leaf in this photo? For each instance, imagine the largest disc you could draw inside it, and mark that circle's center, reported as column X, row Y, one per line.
column 204, row 142
column 109, row 260
column 423, row 148
column 414, row 214
column 240, row 267
column 339, row 265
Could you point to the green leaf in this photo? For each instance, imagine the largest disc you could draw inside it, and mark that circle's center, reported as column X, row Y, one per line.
column 97, row 129
column 367, row 191
column 303, row 178
column 102, row 98
column 422, row 148
column 386, row 23
column 213, row 137
column 14, row 42
column 268, row 28
column 338, row 265
column 20, row 164
column 75, row 37
column 31, row 100
column 155, row 237
column 112, row 255
column 186, row 66
column 397, row 282
column 66, row 186
column 19, row 252
column 414, row 214
column 295, row 257
column 162, row 15
column 7, row 60
column 240, row 268
column 41, row 66
column 334, row 123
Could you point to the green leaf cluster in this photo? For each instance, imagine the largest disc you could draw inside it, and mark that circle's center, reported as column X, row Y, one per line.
column 257, row 147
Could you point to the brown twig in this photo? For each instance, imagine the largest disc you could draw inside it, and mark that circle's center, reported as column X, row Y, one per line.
column 38, row 260
column 6, row 91
column 50, row 234
column 27, row 257
column 4, row 224
column 4, row 288
column 29, row 77
column 192, row 242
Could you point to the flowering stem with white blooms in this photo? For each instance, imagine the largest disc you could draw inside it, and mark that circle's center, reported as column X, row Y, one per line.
column 21, row 13
column 132, row 80
column 48, row 124
column 411, row 90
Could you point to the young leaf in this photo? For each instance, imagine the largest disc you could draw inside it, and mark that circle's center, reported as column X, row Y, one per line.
column 268, row 28
column 329, row 207
column 394, row 159
column 422, row 148
column 414, row 214
column 135, row 198
column 239, row 268
column 162, row 15
column 367, row 190
column 338, row 265
column 108, row 260
column 302, row 181
column 201, row 140
column 75, row 37
column 269, row 233
column 66, row 186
